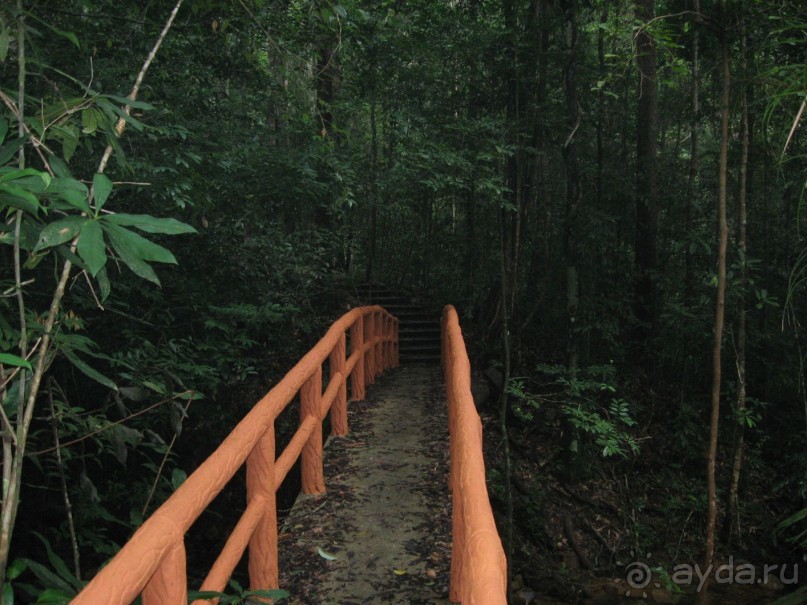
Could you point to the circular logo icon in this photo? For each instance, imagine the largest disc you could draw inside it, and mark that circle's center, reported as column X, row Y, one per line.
column 638, row 575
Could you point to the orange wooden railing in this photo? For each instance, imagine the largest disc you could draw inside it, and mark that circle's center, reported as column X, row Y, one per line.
column 478, row 564
column 152, row 563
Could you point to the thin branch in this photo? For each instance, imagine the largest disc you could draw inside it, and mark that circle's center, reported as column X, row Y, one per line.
column 60, row 464
column 796, row 123
column 115, row 423
column 92, row 290
column 162, row 464
column 121, row 125
column 37, row 143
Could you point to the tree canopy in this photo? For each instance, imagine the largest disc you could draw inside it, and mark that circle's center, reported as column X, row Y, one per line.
column 190, row 191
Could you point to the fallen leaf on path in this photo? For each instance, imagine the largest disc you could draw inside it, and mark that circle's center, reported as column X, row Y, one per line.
column 326, row 555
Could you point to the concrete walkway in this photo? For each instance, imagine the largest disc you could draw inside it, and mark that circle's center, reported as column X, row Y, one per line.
column 381, row 533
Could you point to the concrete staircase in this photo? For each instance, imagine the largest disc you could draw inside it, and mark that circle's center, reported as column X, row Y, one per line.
column 419, row 328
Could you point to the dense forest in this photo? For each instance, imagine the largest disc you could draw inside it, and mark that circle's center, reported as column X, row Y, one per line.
column 609, row 191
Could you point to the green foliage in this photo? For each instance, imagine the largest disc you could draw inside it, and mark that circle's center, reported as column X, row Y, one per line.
column 523, row 403
column 56, row 584
column 591, row 407
column 240, row 596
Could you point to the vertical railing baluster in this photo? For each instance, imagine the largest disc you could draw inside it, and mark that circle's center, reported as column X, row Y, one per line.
column 369, row 357
column 357, row 344
column 263, row 564
column 390, row 352
column 379, row 354
column 339, row 407
column 311, row 456
column 390, row 342
column 397, row 343
column 169, row 584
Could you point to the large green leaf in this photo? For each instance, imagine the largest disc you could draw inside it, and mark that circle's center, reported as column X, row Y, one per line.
column 128, row 254
column 113, row 110
column 14, row 360
column 85, row 369
column 133, row 104
column 69, row 134
column 140, row 246
column 58, row 564
column 59, row 232
column 13, row 175
column 103, row 283
column 101, row 188
column 60, row 168
column 91, row 247
column 89, row 120
column 150, row 224
column 53, row 596
column 71, row 191
column 5, row 39
column 48, row 578
column 8, row 149
column 16, row 197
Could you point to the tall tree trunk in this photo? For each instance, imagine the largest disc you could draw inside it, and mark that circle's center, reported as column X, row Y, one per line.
column 733, row 506
column 373, row 191
column 327, row 79
column 694, row 159
column 539, row 273
column 503, row 396
column 573, row 186
column 573, row 201
column 719, row 307
column 600, row 101
column 647, row 209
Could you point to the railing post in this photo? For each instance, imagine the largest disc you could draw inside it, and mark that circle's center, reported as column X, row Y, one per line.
column 379, row 334
column 169, row 584
column 387, row 347
column 357, row 344
column 397, row 343
column 311, row 456
column 369, row 358
column 263, row 564
column 457, row 548
column 339, row 406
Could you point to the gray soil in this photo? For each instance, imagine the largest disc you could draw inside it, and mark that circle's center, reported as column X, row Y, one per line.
column 385, row 519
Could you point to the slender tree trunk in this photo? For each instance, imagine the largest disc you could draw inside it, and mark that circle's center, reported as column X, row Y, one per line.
column 719, row 307
column 573, row 186
column 573, row 201
column 600, row 102
column 694, row 159
column 503, row 397
column 28, row 398
column 327, row 78
column 372, row 190
column 647, row 210
column 733, row 507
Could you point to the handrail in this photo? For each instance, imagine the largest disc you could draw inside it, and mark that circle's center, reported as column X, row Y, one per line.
column 152, row 562
column 478, row 564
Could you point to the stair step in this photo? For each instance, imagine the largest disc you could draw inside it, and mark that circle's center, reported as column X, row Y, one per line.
column 419, row 327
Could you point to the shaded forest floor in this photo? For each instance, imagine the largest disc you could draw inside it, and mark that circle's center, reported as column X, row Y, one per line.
column 583, row 539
